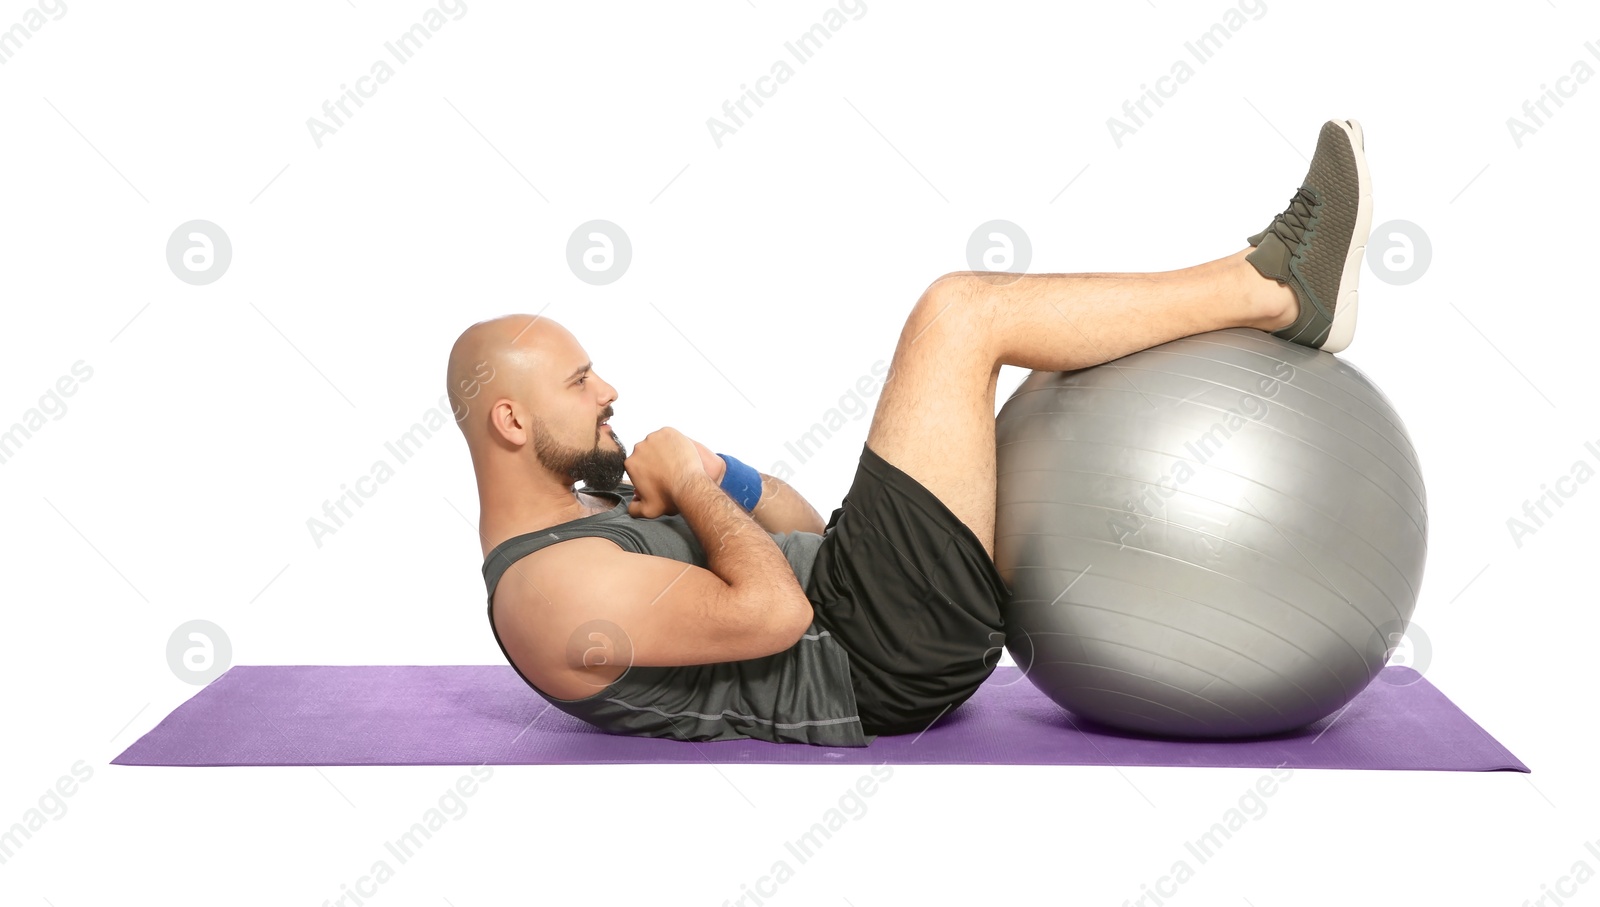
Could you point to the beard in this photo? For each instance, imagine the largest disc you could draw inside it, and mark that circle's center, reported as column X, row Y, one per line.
column 599, row 467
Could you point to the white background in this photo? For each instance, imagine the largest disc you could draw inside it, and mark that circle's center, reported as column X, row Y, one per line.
column 767, row 276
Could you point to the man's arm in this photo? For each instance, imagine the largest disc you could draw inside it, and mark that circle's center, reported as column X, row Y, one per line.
column 746, row 560
column 782, row 509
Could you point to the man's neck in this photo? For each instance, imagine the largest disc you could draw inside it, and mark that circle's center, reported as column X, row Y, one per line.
column 506, row 513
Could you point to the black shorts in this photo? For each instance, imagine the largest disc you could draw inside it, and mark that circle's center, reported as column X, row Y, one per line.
column 908, row 591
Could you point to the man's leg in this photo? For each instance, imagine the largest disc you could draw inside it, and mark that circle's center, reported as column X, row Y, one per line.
column 935, row 417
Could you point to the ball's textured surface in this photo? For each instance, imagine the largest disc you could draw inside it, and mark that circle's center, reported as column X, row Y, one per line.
column 1220, row 536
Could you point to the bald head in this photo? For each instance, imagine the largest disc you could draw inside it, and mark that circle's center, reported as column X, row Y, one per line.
column 497, row 358
column 526, row 398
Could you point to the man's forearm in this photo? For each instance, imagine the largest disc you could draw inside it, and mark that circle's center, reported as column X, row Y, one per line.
column 736, row 550
column 782, row 509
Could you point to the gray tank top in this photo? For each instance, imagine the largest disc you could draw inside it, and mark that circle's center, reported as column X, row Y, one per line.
column 800, row 695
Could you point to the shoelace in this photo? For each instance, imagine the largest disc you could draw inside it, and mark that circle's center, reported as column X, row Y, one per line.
column 1290, row 226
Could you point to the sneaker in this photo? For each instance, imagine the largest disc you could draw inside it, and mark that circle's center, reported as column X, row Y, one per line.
column 1317, row 243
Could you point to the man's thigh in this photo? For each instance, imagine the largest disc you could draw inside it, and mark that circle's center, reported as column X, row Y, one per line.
column 935, row 416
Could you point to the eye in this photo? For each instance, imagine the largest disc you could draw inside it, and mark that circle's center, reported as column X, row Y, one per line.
column 583, row 379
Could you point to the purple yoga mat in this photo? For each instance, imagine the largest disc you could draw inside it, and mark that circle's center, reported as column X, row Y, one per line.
column 477, row 714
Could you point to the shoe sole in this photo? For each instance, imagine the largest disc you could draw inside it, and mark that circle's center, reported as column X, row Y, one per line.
column 1345, row 305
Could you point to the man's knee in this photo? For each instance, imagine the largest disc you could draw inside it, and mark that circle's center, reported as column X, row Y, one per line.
column 947, row 307
column 963, row 285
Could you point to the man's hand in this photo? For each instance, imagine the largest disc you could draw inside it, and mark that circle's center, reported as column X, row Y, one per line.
column 716, row 467
column 657, row 468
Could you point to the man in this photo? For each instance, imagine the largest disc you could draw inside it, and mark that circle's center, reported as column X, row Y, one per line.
column 705, row 601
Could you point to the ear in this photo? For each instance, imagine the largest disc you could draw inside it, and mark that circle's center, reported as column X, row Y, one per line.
column 503, row 421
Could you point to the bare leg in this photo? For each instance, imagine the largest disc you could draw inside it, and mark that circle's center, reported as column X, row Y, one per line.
column 935, row 418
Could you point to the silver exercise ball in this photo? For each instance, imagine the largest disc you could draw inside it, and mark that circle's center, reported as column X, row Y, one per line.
column 1221, row 536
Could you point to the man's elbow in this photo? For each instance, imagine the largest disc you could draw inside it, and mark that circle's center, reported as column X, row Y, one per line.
column 783, row 625
column 804, row 615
